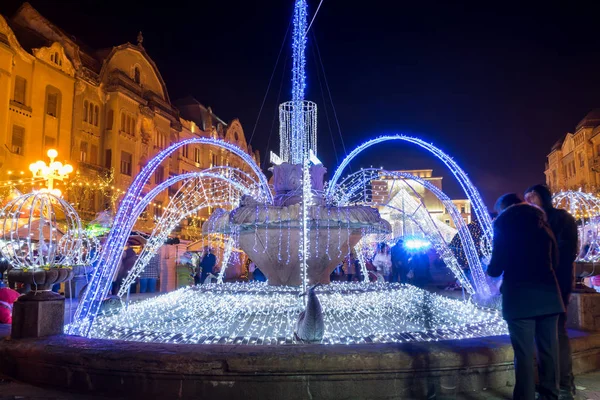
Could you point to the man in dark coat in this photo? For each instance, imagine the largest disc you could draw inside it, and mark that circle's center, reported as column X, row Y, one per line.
column 564, row 227
column 399, row 262
column 207, row 264
column 525, row 251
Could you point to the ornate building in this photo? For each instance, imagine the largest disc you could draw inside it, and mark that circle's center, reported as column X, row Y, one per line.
column 388, row 187
column 574, row 161
column 106, row 111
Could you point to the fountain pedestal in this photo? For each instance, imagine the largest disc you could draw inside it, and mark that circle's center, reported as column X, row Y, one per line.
column 284, row 268
column 270, row 234
column 38, row 314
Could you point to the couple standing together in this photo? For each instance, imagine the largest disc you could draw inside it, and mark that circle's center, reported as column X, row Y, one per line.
column 535, row 246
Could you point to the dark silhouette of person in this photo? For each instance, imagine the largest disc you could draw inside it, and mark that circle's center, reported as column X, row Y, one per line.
column 399, row 262
column 564, row 227
column 207, row 264
column 525, row 251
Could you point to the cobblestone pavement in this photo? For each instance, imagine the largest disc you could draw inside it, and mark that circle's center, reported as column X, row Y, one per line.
column 588, row 387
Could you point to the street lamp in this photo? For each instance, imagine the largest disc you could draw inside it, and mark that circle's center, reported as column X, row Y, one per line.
column 54, row 171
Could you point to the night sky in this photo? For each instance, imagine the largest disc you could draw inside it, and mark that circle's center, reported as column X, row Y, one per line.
column 494, row 84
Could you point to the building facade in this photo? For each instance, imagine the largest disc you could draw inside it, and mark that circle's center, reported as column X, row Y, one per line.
column 384, row 189
column 106, row 111
column 574, row 161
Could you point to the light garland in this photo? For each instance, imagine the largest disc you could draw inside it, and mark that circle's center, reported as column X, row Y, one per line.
column 227, row 184
column 260, row 314
column 355, row 189
column 30, row 233
column 471, row 191
column 584, row 207
column 354, row 313
column 127, row 215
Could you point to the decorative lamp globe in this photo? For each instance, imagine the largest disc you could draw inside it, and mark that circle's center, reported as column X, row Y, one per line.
column 40, row 234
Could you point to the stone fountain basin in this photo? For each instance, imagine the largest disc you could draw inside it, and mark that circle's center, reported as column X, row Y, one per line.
column 280, row 262
column 271, row 236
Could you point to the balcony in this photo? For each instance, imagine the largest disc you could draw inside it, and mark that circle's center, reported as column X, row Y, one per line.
column 94, row 167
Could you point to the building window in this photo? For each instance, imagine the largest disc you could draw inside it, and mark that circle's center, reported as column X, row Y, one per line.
column 214, row 160
column 136, row 75
column 160, row 140
column 18, row 139
column 52, row 104
column 185, row 151
column 83, row 151
column 447, row 222
column 462, row 210
column 85, row 111
column 159, row 175
column 91, row 114
column 108, row 158
column 109, row 119
column 123, row 121
column 157, row 209
column 197, row 157
column 93, row 154
column 49, row 142
column 581, row 160
column 20, row 90
column 126, row 163
column 96, row 115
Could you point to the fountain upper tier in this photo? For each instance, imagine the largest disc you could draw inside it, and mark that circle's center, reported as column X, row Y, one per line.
column 270, row 234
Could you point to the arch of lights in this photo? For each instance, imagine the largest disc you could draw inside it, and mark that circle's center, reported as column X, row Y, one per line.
column 262, row 314
column 471, row 191
column 210, row 188
column 127, row 215
column 585, row 208
column 355, row 188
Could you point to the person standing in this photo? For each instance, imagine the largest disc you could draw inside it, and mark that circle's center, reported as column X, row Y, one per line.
column 207, row 264
column 383, row 261
column 399, row 262
column 525, row 251
column 149, row 277
column 350, row 267
column 564, row 227
column 127, row 262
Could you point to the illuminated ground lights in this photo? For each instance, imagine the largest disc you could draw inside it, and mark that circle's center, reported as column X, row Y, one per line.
column 258, row 314
column 261, row 314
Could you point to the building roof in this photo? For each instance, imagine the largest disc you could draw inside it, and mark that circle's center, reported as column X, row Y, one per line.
column 591, row 120
column 193, row 110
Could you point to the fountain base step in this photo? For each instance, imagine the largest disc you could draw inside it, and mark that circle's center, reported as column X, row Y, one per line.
column 377, row 371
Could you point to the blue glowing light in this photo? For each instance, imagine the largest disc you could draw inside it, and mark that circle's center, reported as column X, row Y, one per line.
column 416, row 244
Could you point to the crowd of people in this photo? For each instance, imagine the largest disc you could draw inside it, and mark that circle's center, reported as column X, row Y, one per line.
column 388, row 264
column 534, row 249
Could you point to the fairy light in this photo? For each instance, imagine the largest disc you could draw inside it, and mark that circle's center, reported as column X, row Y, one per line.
column 30, row 231
column 194, row 195
column 127, row 215
column 477, row 204
column 225, row 262
column 416, row 211
column 585, row 207
column 353, row 313
column 305, row 237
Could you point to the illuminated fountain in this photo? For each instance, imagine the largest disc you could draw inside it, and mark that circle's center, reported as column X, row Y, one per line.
column 296, row 232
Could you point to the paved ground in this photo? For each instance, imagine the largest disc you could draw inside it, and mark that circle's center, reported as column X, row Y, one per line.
column 588, row 389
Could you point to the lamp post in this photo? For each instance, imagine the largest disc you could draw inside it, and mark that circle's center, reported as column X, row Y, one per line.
column 51, row 172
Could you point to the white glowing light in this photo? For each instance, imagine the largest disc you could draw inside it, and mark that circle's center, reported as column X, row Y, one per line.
column 353, row 313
